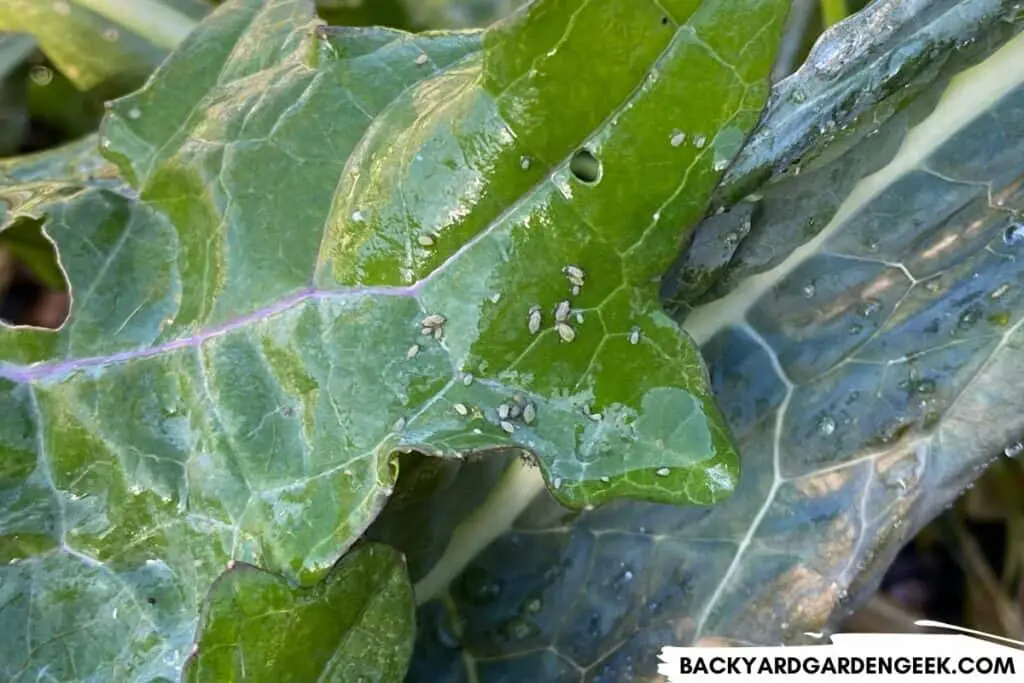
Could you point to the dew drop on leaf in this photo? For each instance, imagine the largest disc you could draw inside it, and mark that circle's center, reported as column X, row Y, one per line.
column 826, row 425
column 1014, row 234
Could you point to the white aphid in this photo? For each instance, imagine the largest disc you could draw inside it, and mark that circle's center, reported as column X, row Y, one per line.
column 574, row 272
column 507, row 426
column 562, row 311
column 634, row 335
column 467, row 379
column 605, row 480
column 575, row 290
column 433, row 320
column 579, row 317
column 422, row 59
column 596, row 417
column 399, row 425
column 439, row 332
column 413, row 350
column 529, row 414
column 504, row 411
column 565, row 332
column 461, row 409
column 534, row 321
column 663, row 472
column 515, row 410
column 425, row 240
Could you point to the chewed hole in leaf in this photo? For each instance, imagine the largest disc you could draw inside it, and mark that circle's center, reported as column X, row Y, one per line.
column 585, row 166
column 33, row 287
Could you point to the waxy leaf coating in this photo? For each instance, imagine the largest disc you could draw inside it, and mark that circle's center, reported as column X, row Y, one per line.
column 325, row 249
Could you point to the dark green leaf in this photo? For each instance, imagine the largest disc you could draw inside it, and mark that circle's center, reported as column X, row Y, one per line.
column 870, row 372
column 356, row 625
column 14, row 52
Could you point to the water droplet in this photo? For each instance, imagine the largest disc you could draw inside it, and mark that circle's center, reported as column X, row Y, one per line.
column 809, row 290
column 1013, row 234
column 678, row 138
column 533, row 605
column 969, row 317
column 40, row 75
column 826, row 425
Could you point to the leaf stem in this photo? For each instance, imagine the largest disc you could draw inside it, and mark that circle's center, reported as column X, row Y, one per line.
column 518, row 486
column 833, row 11
column 155, row 21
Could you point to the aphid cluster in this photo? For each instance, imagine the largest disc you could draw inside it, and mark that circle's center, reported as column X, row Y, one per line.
column 519, row 408
column 563, row 310
column 575, row 276
column 433, row 325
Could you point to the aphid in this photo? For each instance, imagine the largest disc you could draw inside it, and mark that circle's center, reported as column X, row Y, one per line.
column 579, row 317
column 495, row 298
column 422, row 59
column 461, row 409
column 427, row 331
column 596, row 417
column 529, row 414
column 574, row 272
column 557, row 482
column 439, row 332
column 566, row 333
column 399, row 425
column 663, row 472
column 507, row 426
column 534, row 322
column 504, row 411
column 562, row 311
column 605, row 480
column 515, row 410
column 425, row 240
column 575, row 290
column 634, row 335
column 433, row 320
column 413, row 350
column 467, row 379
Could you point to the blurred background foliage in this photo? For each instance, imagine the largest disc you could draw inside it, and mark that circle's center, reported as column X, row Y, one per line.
column 60, row 61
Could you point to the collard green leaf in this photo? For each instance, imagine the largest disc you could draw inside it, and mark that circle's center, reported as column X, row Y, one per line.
column 356, row 625
column 869, row 376
column 244, row 357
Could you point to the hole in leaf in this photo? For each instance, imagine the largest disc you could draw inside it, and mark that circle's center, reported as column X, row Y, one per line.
column 33, row 288
column 585, row 166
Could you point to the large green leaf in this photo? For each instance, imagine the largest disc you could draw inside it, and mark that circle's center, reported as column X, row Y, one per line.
column 238, row 370
column 870, row 371
column 356, row 625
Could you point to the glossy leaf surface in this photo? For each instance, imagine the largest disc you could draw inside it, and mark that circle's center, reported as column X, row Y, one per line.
column 244, row 356
column 355, row 625
column 870, row 371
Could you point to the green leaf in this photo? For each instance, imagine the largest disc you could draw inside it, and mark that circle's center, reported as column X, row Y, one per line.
column 235, row 379
column 96, row 42
column 14, row 52
column 870, row 372
column 356, row 625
